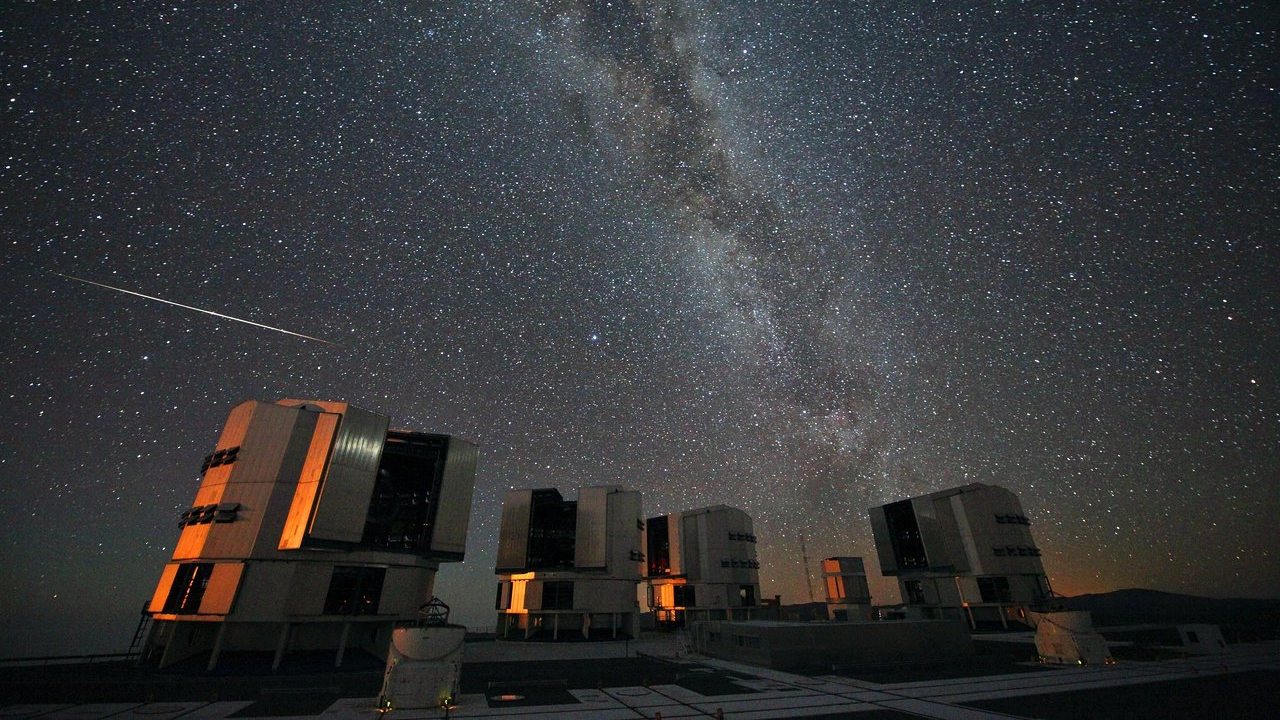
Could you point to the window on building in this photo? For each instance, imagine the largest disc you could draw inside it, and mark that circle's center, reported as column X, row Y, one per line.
column 354, row 590
column 557, row 595
column 226, row 456
column 402, row 508
column 553, row 526
column 503, row 599
column 747, row 595
column 188, row 588
column 684, row 596
column 746, row 641
column 914, row 591
column 1042, row 587
column 904, row 535
column 658, row 546
column 995, row 589
column 835, row 588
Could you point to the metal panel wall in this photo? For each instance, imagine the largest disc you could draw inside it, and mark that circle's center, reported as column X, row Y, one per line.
column 262, row 431
column 676, row 538
column 267, row 468
column 884, row 543
column 693, row 552
column 308, row 489
column 453, row 510
column 220, row 593
column 533, row 595
column 513, row 538
column 590, row 550
column 343, row 502
column 162, row 588
column 960, row 535
column 404, row 590
column 935, row 546
column 623, row 533
column 237, row 425
column 300, row 588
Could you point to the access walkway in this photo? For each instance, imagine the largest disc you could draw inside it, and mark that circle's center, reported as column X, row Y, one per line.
column 768, row 695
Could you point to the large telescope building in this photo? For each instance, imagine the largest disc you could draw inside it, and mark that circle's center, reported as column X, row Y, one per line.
column 966, row 553
column 316, row 527
column 570, row 568
column 701, row 565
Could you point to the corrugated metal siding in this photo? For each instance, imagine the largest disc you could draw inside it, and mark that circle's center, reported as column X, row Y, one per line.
column 453, row 511
column 348, row 481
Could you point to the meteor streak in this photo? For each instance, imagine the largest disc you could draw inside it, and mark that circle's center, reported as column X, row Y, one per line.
column 202, row 310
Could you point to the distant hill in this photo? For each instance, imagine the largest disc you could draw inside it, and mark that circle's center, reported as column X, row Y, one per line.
column 1139, row 607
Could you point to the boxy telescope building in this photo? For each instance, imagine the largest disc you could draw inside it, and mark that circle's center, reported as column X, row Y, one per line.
column 315, row 527
column 701, row 565
column 966, row 552
column 569, row 566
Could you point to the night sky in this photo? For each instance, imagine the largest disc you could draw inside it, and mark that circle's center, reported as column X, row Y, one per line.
column 800, row 258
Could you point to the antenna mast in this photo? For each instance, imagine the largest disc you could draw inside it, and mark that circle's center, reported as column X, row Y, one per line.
column 808, row 577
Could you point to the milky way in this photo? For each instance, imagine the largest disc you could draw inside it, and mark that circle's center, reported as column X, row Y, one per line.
column 802, row 259
column 648, row 84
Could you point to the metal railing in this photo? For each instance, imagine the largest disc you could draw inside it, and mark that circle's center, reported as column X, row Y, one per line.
column 39, row 661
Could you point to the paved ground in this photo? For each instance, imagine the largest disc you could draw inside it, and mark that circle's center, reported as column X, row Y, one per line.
column 606, row 681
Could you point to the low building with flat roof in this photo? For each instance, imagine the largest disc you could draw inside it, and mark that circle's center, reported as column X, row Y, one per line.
column 806, row 646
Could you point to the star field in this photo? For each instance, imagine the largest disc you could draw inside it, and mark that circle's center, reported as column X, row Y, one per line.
column 798, row 258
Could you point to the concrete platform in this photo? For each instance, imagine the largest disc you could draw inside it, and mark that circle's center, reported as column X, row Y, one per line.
column 1240, row 683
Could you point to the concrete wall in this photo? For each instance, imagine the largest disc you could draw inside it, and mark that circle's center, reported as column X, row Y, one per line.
column 801, row 646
